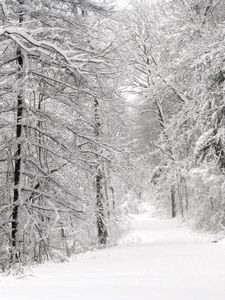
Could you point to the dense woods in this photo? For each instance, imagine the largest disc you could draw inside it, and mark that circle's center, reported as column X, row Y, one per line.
column 61, row 118
column 100, row 106
column 177, row 59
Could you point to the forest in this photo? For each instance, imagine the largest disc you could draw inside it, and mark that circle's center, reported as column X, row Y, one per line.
column 104, row 105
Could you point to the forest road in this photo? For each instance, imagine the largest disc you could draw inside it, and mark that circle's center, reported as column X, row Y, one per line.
column 157, row 259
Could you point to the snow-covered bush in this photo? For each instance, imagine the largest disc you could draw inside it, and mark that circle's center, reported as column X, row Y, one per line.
column 206, row 189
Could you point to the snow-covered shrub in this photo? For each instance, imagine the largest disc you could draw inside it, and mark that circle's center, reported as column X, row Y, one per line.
column 204, row 141
column 58, row 256
column 206, row 189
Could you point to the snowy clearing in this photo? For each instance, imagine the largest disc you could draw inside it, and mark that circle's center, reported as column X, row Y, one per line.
column 158, row 260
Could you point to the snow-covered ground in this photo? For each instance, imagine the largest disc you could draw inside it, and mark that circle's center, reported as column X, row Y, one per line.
column 156, row 260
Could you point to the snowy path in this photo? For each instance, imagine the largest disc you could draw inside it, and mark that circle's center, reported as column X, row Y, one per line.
column 163, row 261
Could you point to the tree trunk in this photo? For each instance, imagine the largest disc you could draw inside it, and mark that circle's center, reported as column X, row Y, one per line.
column 100, row 214
column 18, row 154
column 101, row 227
column 173, row 202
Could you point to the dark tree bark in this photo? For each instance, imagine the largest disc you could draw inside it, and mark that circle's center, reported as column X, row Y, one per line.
column 173, row 202
column 18, row 154
column 100, row 213
column 101, row 227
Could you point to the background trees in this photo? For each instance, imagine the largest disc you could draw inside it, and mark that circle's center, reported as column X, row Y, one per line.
column 177, row 67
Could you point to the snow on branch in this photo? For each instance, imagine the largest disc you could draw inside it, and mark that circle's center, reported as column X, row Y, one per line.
column 41, row 46
column 204, row 143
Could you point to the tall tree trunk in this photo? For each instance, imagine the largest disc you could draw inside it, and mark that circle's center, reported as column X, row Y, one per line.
column 100, row 213
column 18, row 154
column 101, row 227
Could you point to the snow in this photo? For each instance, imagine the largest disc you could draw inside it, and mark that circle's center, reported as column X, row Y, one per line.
column 203, row 140
column 156, row 260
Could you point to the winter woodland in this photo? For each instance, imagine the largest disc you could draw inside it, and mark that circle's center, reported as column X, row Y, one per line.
column 102, row 107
